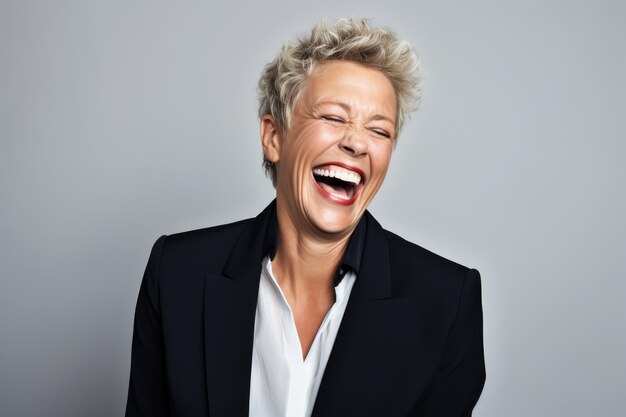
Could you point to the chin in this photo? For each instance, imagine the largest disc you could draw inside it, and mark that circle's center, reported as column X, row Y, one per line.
column 333, row 221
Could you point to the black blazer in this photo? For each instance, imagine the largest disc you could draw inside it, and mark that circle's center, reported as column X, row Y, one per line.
column 410, row 342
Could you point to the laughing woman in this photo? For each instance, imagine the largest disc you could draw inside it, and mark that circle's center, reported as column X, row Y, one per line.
column 312, row 308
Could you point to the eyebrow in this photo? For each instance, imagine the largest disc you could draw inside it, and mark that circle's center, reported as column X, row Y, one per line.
column 347, row 108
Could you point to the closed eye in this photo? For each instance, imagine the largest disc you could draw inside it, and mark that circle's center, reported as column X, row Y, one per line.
column 334, row 119
column 381, row 132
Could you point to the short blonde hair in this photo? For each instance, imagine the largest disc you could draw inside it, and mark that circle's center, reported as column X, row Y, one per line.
column 355, row 40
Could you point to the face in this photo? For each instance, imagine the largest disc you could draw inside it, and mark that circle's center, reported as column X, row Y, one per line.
column 332, row 160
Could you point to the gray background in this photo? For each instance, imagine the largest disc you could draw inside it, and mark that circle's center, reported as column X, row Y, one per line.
column 121, row 121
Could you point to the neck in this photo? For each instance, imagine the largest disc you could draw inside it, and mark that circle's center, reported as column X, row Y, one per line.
column 306, row 261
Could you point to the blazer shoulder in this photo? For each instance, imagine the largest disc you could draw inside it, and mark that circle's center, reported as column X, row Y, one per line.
column 410, row 251
column 205, row 249
column 420, row 267
column 208, row 234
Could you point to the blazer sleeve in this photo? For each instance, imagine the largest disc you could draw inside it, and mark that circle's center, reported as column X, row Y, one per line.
column 147, row 390
column 461, row 375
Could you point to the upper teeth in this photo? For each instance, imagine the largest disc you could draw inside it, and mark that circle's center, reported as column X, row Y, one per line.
column 344, row 175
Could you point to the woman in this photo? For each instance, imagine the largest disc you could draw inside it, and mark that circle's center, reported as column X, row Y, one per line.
column 311, row 308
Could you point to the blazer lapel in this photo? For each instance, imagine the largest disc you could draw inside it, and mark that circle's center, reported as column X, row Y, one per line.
column 229, row 313
column 366, row 328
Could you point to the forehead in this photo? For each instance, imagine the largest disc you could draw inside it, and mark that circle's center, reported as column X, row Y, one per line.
column 358, row 87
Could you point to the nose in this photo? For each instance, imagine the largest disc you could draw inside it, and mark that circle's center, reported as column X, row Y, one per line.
column 354, row 141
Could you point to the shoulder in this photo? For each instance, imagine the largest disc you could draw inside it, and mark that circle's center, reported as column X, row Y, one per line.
column 413, row 256
column 205, row 249
column 446, row 290
column 416, row 268
column 208, row 236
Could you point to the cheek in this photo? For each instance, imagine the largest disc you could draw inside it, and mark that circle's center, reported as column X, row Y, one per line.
column 307, row 139
column 381, row 157
column 309, row 144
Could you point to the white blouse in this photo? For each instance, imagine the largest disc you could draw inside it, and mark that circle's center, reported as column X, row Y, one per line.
column 282, row 383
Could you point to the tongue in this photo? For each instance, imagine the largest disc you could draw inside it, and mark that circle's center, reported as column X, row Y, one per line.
column 337, row 189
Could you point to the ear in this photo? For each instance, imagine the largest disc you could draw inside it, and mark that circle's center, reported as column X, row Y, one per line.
column 270, row 138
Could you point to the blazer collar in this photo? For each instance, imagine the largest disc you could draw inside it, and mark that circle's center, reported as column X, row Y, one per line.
column 250, row 246
column 351, row 260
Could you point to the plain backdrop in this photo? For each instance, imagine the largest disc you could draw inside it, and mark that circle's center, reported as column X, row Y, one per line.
column 124, row 120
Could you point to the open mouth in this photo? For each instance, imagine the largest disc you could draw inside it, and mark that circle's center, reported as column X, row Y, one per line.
column 340, row 183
